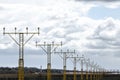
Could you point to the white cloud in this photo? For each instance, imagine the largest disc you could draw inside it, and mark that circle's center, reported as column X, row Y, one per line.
column 113, row 5
column 5, row 46
column 60, row 21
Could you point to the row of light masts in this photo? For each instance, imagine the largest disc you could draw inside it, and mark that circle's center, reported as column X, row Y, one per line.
column 92, row 69
column 49, row 48
column 66, row 55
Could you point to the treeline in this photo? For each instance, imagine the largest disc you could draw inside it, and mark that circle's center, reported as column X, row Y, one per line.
column 14, row 70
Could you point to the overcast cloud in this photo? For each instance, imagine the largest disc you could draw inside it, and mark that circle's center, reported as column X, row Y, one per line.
column 61, row 20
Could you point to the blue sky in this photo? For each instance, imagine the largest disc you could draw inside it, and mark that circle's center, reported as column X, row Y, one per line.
column 91, row 28
column 102, row 12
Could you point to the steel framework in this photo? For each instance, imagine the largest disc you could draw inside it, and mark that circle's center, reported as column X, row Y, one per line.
column 49, row 48
column 75, row 60
column 64, row 57
column 21, row 43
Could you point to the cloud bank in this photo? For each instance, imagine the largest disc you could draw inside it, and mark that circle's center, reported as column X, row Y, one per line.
column 65, row 21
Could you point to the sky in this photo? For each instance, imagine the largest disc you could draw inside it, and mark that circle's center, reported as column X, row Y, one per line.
column 91, row 27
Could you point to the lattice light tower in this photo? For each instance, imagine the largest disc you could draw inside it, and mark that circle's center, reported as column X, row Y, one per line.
column 75, row 60
column 87, row 62
column 91, row 70
column 97, row 71
column 48, row 49
column 21, row 43
column 94, row 71
column 65, row 56
column 81, row 62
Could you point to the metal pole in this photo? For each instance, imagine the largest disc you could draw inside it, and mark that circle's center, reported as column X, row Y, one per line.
column 94, row 71
column 82, row 69
column 75, row 68
column 91, row 73
column 64, row 65
column 98, row 73
column 48, row 62
column 82, row 59
column 87, row 63
column 21, row 58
